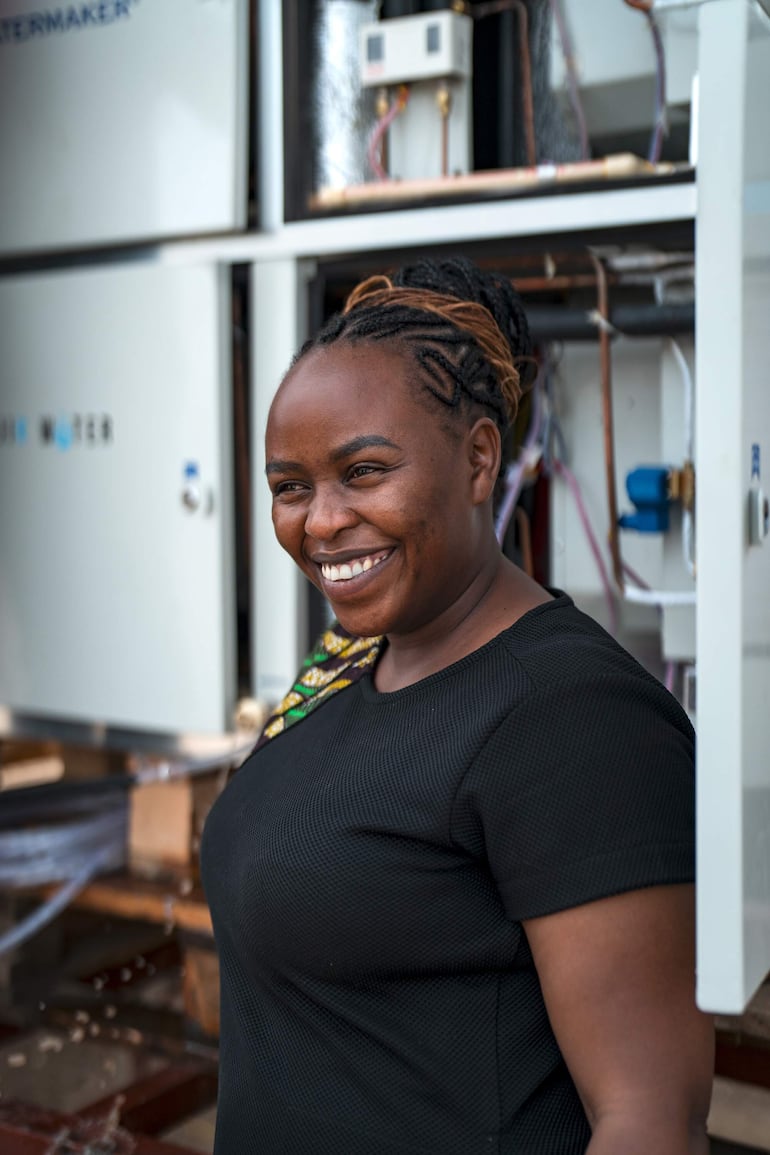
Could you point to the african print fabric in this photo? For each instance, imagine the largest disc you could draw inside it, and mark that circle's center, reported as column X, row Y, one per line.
column 337, row 660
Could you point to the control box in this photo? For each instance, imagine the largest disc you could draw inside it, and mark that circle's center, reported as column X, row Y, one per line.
column 431, row 54
column 430, row 46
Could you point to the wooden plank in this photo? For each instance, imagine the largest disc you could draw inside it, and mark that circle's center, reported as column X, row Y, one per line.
column 743, row 1062
column 162, row 1099
column 200, row 987
column 141, row 899
column 740, row 1114
column 39, row 1132
column 754, row 1023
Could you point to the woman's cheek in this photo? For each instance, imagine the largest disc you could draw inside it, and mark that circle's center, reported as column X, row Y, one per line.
column 287, row 531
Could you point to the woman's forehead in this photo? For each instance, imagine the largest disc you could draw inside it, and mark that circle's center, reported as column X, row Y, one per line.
column 366, row 374
column 345, row 394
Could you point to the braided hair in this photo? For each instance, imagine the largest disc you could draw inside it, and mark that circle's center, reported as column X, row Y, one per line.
column 466, row 329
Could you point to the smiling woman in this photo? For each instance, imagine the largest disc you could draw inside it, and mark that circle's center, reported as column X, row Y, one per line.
column 453, row 906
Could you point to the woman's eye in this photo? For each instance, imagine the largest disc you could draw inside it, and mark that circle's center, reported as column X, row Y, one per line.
column 361, row 471
column 288, row 488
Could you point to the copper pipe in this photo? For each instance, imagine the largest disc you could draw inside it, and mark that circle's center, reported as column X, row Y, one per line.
column 602, row 308
column 493, row 8
column 525, row 541
column 640, row 5
column 444, row 102
column 559, row 281
column 381, row 107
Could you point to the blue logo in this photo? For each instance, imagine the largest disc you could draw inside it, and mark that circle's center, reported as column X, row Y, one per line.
column 755, row 462
column 67, row 18
column 86, row 429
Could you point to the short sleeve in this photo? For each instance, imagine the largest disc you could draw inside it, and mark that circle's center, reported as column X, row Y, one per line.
column 585, row 790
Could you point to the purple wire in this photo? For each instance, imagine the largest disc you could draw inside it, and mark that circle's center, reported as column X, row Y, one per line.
column 375, row 141
column 572, row 78
column 572, row 482
column 514, row 476
column 656, row 141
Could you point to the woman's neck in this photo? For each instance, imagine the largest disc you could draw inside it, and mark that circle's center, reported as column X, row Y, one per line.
column 494, row 600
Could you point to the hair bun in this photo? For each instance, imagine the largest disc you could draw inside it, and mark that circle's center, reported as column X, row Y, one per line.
column 461, row 278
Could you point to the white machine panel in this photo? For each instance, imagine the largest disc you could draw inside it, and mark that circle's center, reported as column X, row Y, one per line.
column 616, row 70
column 733, row 464
column 116, row 583
column 121, row 120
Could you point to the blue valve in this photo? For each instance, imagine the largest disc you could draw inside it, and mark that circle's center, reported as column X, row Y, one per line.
column 648, row 489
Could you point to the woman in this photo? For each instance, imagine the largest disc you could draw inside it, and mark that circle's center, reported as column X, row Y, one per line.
column 451, row 890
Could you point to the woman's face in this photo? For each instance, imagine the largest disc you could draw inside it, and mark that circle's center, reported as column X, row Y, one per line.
column 376, row 502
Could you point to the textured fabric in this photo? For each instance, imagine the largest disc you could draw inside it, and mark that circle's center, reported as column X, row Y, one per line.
column 337, row 660
column 367, row 873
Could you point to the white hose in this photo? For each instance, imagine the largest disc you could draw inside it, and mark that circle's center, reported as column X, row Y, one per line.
column 689, row 399
column 659, row 597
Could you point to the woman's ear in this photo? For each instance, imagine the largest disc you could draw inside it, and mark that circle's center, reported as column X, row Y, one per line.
column 484, row 455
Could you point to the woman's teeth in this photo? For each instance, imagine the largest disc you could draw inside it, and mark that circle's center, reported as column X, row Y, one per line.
column 346, row 571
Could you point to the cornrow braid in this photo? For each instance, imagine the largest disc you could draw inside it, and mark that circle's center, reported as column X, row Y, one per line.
column 466, row 329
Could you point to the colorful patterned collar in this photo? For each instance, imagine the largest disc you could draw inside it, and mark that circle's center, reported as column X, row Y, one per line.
column 337, row 660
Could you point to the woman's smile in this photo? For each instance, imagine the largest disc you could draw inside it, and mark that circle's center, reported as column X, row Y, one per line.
column 345, row 572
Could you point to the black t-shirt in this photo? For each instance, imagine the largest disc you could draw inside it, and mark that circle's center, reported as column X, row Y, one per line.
column 367, row 873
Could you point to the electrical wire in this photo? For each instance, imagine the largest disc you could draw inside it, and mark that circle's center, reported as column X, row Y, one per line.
column 58, row 846
column 527, row 458
column 605, row 361
column 524, row 526
column 374, row 151
column 573, row 82
column 659, row 597
column 28, row 927
column 53, row 849
column 574, row 488
column 634, row 576
column 659, row 124
column 689, row 398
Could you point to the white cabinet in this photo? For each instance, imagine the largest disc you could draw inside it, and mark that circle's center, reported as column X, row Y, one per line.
column 116, row 582
column 733, row 461
column 121, row 121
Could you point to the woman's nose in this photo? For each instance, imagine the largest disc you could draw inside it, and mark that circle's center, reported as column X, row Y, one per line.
column 329, row 512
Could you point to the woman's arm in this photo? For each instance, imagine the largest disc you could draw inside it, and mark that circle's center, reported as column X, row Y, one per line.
column 618, row 978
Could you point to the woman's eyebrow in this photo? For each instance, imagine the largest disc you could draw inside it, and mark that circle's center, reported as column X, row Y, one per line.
column 367, row 441
column 275, row 465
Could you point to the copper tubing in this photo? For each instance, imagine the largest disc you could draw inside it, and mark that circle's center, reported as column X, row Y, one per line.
column 493, row 8
column 381, row 106
column 444, row 102
column 602, row 308
column 525, row 541
column 556, row 283
column 640, row 5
